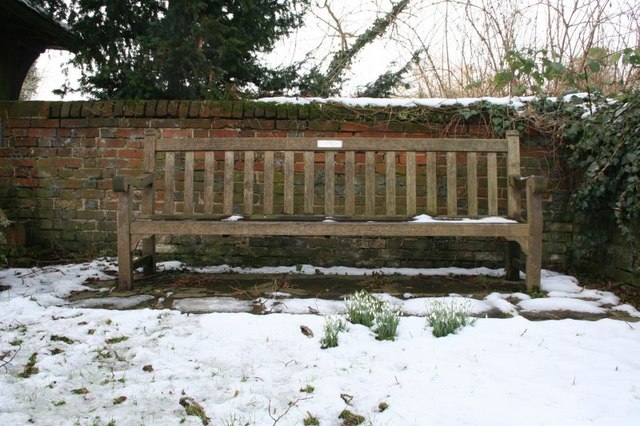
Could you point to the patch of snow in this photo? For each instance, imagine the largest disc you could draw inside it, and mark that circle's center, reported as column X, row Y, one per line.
column 552, row 281
column 424, row 218
column 233, row 218
column 552, row 304
column 212, row 304
column 112, row 302
column 628, row 309
column 516, row 102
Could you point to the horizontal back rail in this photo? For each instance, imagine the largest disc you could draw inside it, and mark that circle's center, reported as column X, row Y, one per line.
column 347, row 144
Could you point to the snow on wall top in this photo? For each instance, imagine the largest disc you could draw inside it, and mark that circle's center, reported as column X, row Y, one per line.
column 516, row 102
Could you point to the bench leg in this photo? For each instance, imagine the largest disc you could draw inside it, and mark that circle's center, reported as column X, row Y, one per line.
column 149, row 252
column 534, row 264
column 512, row 272
column 534, row 243
column 125, row 257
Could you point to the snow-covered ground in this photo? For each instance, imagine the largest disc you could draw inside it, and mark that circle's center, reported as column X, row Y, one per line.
column 65, row 364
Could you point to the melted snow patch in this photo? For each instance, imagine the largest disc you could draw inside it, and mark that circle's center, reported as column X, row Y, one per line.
column 212, row 304
column 112, row 302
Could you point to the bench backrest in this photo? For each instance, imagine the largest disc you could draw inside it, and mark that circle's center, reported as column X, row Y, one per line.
column 354, row 177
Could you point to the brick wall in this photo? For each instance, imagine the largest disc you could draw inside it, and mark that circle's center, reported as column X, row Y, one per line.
column 58, row 158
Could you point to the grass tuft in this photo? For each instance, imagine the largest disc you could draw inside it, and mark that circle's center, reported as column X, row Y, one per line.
column 310, row 420
column 30, row 367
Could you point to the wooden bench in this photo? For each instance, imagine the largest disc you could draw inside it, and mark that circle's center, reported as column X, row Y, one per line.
column 329, row 187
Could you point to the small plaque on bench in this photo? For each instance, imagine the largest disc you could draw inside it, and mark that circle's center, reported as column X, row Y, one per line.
column 329, row 144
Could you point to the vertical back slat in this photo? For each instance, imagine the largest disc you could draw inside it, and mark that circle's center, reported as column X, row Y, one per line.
column 390, row 183
column 288, row 182
column 472, row 183
column 492, row 183
column 209, row 168
column 169, row 182
column 249, row 158
column 148, row 206
column 229, row 164
column 411, row 183
column 452, row 184
column 268, row 183
column 309, row 181
column 432, row 184
column 350, row 183
column 188, row 182
column 514, row 196
column 370, row 183
column 148, row 194
column 329, row 183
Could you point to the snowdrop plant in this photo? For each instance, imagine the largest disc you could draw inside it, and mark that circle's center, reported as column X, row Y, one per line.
column 332, row 326
column 363, row 308
column 385, row 323
column 446, row 318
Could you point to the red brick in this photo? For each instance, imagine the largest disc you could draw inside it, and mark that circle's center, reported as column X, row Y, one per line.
column 27, row 182
column 135, row 163
column 379, row 135
column 25, row 142
column 177, row 133
column 18, row 122
column 74, row 163
column 318, row 134
column 74, row 122
column 130, row 133
column 18, row 133
column 130, row 153
column 355, row 127
column 270, row 134
column 224, row 133
column 195, row 123
column 225, row 124
column 85, row 132
column 44, row 122
column 42, row 133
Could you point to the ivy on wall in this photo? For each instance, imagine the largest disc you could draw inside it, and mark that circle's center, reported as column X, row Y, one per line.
column 604, row 149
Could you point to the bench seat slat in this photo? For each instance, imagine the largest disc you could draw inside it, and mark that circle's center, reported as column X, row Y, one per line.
column 307, row 228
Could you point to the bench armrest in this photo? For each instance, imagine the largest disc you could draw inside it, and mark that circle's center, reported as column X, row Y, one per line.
column 538, row 184
column 121, row 183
